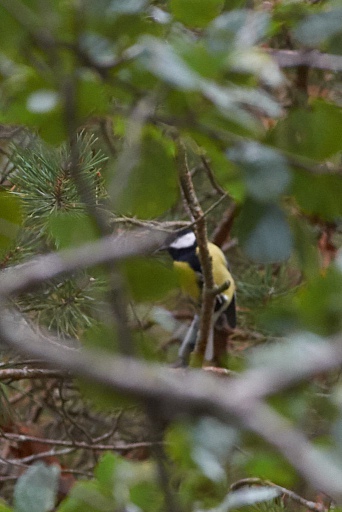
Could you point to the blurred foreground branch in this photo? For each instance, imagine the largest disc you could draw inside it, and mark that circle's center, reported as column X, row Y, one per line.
column 176, row 393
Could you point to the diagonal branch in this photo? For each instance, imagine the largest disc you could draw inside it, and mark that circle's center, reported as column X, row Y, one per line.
column 194, row 393
column 21, row 278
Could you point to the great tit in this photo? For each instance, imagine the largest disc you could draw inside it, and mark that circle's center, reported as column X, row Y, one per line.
column 184, row 252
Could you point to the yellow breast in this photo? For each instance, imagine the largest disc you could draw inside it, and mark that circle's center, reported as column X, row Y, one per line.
column 187, row 280
column 220, row 270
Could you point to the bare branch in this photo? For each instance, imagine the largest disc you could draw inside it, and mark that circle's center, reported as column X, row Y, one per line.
column 310, row 505
column 21, row 278
column 29, row 373
column 121, row 447
column 208, row 299
column 194, row 393
column 309, row 58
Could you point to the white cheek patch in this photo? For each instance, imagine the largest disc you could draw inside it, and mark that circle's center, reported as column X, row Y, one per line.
column 187, row 240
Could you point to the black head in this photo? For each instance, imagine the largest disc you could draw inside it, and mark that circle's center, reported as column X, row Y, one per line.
column 183, row 248
column 184, row 240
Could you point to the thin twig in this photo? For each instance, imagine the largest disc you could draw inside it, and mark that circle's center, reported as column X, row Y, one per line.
column 121, row 447
column 208, row 299
column 310, row 505
column 211, row 177
column 30, row 373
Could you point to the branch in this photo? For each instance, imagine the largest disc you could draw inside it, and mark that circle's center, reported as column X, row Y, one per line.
column 222, row 231
column 21, row 438
column 195, row 393
column 208, row 298
column 30, row 373
column 309, row 58
column 21, row 278
column 310, row 505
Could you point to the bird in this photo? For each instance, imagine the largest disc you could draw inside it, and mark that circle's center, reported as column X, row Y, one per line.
column 184, row 251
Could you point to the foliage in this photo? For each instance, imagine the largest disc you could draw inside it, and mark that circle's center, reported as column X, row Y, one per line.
column 105, row 92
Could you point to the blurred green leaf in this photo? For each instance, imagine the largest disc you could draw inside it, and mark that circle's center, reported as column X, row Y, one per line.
column 317, row 28
column 152, row 184
column 93, row 97
column 147, row 496
column 270, row 466
column 318, row 194
column 70, row 229
column 265, row 170
column 289, row 352
column 313, row 133
column 196, row 13
column 161, row 60
column 211, row 447
column 5, row 508
column 178, row 444
column 257, row 63
column 105, row 471
column 240, row 28
column 319, row 303
column 10, row 219
column 264, row 232
column 101, row 337
column 87, row 497
column 42, row 101
column 148, row 279
column 36, row 489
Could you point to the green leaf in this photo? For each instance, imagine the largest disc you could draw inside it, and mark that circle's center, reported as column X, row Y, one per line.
column 313, row 133
column 87, row 497
column 36, row 489
column 257, row 63
column 318, row 194
column 5, row 508
column 212, row 443
column 162, row 61
column 92, row 98
column 265, row 170
column 237, row 29
column 270, row 466
column 147, row 496
column 264, row 232
column 196, row 13
column 42, row 101
column 319, row 303
column 148, row 279
column 105, row 471
column 178, row 445
column 10, row 219
column 70, row 229
column 317, row 28
column 152, row 185
column 101, row 337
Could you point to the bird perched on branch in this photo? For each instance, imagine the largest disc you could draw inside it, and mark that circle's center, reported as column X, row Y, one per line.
column 184, row 252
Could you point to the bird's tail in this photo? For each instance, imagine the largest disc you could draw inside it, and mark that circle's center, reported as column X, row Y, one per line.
column 230, row 313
